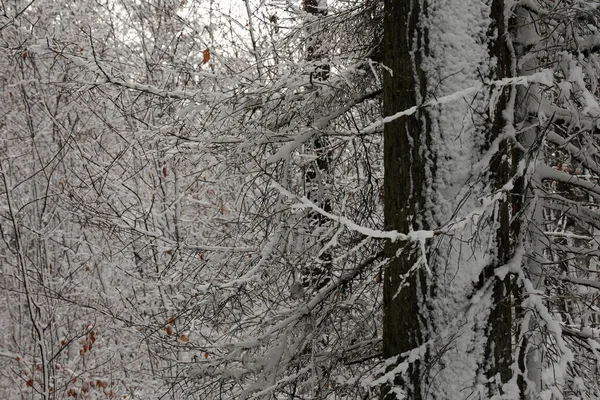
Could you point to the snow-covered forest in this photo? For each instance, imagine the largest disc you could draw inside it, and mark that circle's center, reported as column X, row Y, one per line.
column 283, row 199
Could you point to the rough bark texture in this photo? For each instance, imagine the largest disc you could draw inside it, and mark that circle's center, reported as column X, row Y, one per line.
column 315, row 49
column 405, row 323
column 403, row 197
column 318, row 172
column 499, row 347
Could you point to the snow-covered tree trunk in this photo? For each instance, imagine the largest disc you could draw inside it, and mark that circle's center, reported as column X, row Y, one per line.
column 447, row 314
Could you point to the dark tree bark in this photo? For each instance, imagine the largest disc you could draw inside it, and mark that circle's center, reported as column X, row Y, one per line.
column 317, row 173
column 406, row 287
column 403, row 188
column 499, row 346
column 315, row 48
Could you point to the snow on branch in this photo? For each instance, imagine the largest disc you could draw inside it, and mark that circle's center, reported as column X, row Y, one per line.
column 584, row 282
column 392, row 235
column 572, row 208
column 590, row 45
column 320, row 124
column 544, row 77
column 291, row 317
column 585, row 158
column 95, row 67
column 543, row 171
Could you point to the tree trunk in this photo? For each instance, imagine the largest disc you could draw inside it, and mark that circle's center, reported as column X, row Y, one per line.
column 429, row 185
column 404, row 181
column 318, row 173
column 499, row 346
